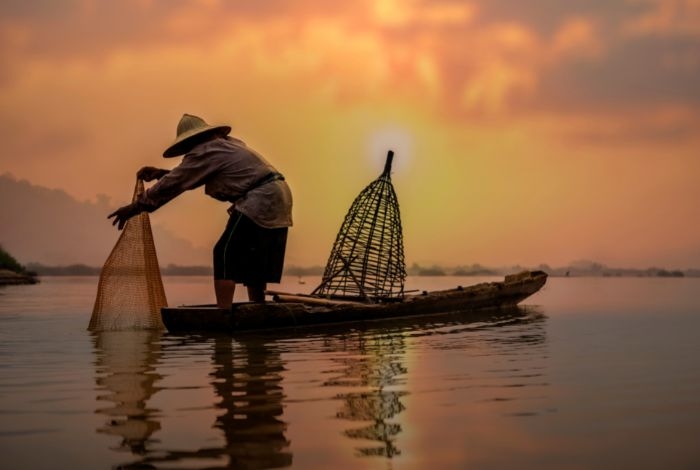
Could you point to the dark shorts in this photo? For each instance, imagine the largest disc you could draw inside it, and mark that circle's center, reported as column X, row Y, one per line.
column 249, row 254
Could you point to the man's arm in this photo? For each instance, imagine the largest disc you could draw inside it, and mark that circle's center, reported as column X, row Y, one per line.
column 189, row 174
column 124, row 213
column 150, row 173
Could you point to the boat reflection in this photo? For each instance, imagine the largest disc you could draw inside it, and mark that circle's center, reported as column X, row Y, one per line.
column 125, row 369
column 376, row 363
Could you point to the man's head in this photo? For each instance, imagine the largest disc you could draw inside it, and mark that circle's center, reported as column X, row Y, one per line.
column 191, row 131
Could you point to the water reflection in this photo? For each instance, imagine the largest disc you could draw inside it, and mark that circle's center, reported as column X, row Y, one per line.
column 377, row 356
column 497, row 363
column 248, row 382
column 246, row 377
column 376, row 363
column 125, row 363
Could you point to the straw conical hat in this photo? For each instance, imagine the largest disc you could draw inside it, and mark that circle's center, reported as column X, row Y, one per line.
column 189, row 127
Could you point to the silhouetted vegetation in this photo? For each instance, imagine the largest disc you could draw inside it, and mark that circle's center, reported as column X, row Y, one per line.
column 417, row 270
column 69, row 270
column 474, row 270
column 7, row 261
column 12, row 272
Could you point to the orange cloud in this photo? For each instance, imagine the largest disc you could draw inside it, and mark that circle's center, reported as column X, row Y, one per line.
column 661, row 126
column 666, row 17
column 576, row 37
column 414, row 12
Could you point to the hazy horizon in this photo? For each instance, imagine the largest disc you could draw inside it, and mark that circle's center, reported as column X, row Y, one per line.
column 541, row 132
column 87, row 238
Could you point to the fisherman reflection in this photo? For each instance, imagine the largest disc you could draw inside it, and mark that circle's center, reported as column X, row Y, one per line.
column 125, row 369
column 248, row 381
column 376, row 362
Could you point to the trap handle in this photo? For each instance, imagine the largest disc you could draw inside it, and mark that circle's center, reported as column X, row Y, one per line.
column 389, row 161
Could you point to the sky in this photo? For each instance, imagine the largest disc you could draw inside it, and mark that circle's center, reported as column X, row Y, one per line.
column 525, row 132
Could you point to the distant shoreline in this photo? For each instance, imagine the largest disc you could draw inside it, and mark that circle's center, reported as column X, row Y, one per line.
column 592, row 270
column 11, row 278
column 12, row 272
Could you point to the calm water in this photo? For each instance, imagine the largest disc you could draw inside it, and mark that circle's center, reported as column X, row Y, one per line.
column 592, row 373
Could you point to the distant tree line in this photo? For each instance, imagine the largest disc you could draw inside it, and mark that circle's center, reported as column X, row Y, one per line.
column 574, row 270
column 68, row 270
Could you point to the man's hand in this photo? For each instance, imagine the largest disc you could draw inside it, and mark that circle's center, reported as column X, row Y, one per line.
column 150, row 173
column 123, row 214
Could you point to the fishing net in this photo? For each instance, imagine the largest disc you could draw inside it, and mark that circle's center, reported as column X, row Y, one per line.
column 130, row 292
column 367, row 259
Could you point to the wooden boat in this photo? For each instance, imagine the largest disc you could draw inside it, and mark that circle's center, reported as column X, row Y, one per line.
column 290, row 311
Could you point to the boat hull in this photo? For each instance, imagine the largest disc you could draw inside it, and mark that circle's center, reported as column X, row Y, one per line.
column 277, row 315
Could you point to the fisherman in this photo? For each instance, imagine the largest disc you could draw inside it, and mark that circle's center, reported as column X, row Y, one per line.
column 251, row 249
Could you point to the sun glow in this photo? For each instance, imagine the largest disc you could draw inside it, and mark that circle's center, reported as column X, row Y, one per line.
column 391, row 137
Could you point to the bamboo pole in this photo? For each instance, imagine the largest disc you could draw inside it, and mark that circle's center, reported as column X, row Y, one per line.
column 303, row 299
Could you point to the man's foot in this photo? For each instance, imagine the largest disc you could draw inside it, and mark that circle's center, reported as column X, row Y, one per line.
column 257, row 293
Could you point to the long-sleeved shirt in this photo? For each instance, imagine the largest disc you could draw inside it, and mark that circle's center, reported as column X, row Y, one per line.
column 230, row 171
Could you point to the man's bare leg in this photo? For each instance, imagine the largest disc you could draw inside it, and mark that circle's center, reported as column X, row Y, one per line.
column 257, row 293
column 224, row 290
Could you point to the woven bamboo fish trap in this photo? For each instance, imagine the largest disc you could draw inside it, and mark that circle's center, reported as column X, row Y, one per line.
column 367, row 259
